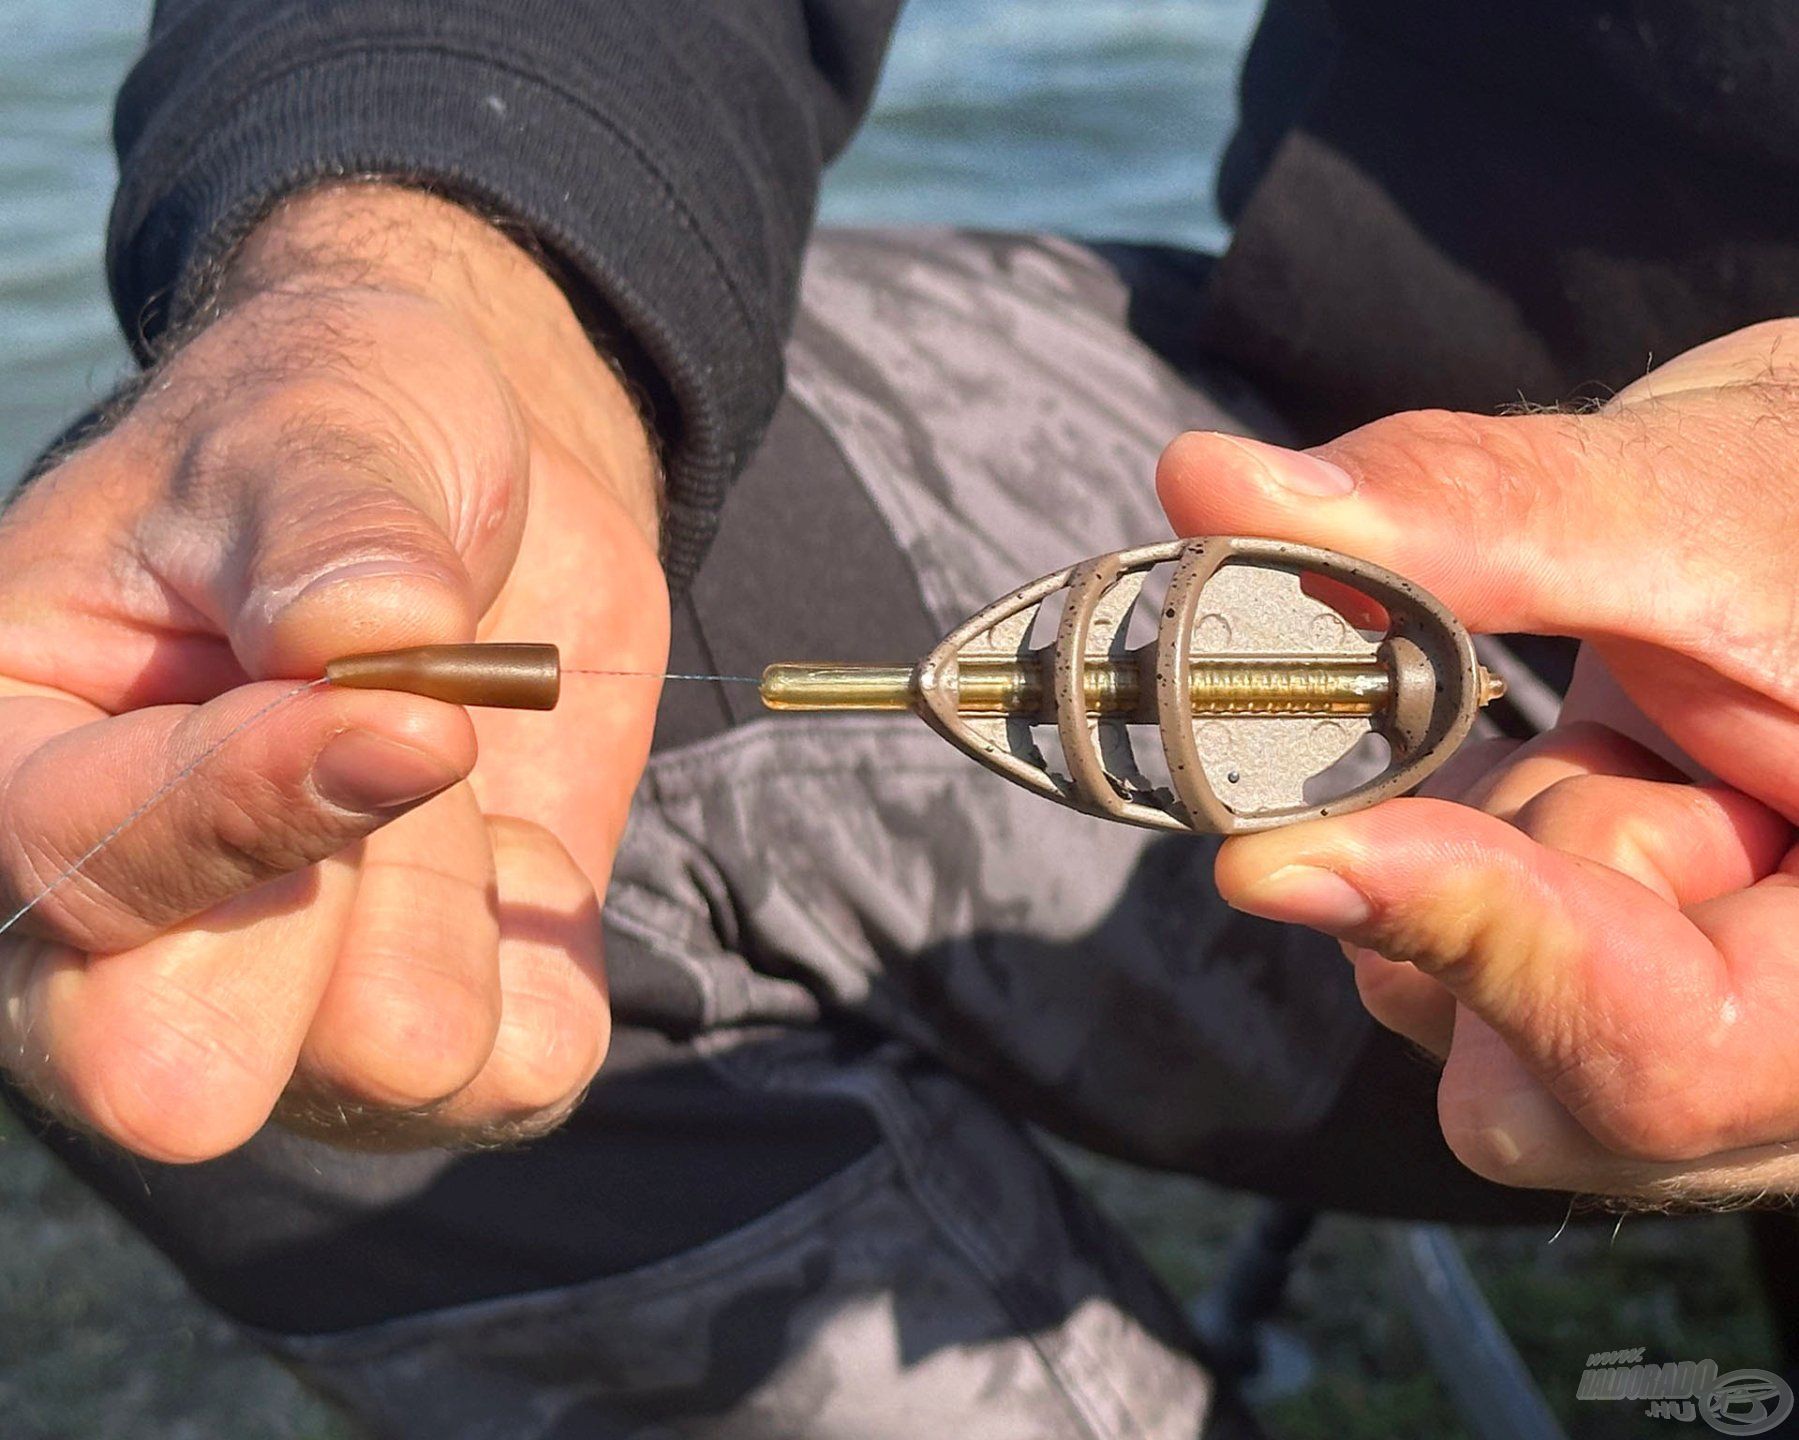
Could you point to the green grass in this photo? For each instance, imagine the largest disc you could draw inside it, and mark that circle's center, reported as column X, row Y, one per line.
column 99, row 1340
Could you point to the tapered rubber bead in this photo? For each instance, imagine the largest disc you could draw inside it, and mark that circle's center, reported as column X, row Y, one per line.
column 504, row 676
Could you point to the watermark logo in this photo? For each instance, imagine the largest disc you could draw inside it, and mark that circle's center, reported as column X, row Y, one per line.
column 1739, row 1402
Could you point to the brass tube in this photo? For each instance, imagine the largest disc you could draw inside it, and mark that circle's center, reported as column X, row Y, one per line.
column 1304, row 686
column 798, row 685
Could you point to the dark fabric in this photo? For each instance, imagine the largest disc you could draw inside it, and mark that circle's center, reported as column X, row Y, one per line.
column 1479, row 203
column 1288, row 58
column 780, row 546
column 666, row 156
column 290, row 1235
column 1378, row 1150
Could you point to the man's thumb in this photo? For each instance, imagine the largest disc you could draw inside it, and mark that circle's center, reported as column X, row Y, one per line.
column 1508, row 520
column 340, row 560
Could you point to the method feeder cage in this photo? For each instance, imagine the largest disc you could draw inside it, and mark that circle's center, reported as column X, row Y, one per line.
column 1252, row 685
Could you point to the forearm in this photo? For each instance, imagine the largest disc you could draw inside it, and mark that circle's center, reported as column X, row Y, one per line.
column 329, row 245
column 663, row 159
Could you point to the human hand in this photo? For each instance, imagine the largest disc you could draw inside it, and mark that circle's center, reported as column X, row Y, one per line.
column 391, row 431
column 1605, row 953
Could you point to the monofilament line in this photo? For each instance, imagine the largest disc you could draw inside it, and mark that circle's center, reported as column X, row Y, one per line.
column 186, row 772
column 666, row 675
column 157, row 796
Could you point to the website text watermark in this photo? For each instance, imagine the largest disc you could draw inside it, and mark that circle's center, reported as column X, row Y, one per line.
column 1738, row 1402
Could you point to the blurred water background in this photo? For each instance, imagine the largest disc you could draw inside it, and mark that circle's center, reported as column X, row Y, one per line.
column 1095, row 117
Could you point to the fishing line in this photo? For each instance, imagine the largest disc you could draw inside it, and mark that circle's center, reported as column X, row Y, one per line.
column 667, row 675
column 157, row 796
column 250, row 722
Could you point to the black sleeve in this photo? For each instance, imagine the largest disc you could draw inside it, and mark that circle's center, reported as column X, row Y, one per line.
column 1463, row 204
column 664, row 153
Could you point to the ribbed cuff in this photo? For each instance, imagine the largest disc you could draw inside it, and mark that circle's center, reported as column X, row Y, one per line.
column 479, row 130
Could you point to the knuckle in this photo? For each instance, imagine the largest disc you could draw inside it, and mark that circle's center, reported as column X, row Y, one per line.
column 373, row 384
column 1604, row 819
column 178, row 1082
column 411, row 1041
column 76, row 911
column 1643, row 1103
column 1430, row 450
column 287, row 418
column 259, row 829
column 266, row 419
column 1487, row 466
column 350, row 518
column 1597, row 747
column 549, row 1048
column 1573, row 808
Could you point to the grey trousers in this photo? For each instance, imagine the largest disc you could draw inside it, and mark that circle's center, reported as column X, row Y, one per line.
column 853, row 971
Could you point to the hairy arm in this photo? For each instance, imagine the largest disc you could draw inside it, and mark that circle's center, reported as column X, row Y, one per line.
column 663, row 158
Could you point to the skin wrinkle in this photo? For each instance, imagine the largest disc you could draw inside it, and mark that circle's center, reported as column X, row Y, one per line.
column 259, row 841
column 404, row 1048
column 294, row 429
column 348, row 424
column 1475, row 927
column 1681, row 1128
column 286, row 428
column 1464, row 890
column 335, row 425
column 537, row 1080
column 182, row 618
column 131, row 1083
column 365, row 245
column 1646, row 1117
column 50, row 887
column 226, row 1034
column 1605, row 1070
column 244, row 371
column 1710, row 463
column 57, row 911
column 380, row 524
column 377, row 865
column 470, row 528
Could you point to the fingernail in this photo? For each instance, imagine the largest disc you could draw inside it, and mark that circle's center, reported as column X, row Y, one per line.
column 1306, row 895
column 360, row 771
column 1502, row 1145
column 1295, row 470
column 1519, row 1124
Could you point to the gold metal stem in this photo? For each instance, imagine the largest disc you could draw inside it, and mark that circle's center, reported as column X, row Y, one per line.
column 800, row 685
column 1321, row 686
